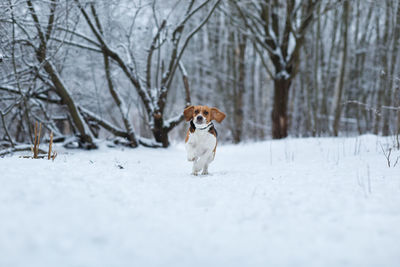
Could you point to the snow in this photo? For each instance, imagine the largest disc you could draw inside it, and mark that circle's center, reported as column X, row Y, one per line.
column 291, row 46
column 283, row 74
column 273, row 36
column 183, row 69
column 294, row 202
column 172, row 120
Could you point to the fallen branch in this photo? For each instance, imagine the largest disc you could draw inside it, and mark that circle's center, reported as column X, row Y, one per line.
column 142, row 141
column 368, row 107
column 19, row 148
column 103, row 123
column 117, row 131
column 149, row 143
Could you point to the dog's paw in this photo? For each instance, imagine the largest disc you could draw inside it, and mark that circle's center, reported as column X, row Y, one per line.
column 191, row 158
column 204, row 173
column 195, row 174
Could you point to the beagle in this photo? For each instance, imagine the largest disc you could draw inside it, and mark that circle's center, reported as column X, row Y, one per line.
column 201, row 138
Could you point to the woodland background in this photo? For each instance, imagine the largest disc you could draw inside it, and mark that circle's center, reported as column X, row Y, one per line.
column 125, row 70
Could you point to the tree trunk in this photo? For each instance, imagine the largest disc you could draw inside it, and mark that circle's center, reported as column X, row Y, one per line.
column 279, row 111
column 85, row 137
column 383, row 65
column 252, row 98
column 398, row 130
column 260, row 96
column 238, row 96
column 318, row 57
column 327, row 74
column 389, row 90
column 337, row 105
column 160, row 133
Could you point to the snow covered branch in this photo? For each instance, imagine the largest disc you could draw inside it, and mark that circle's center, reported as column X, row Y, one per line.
column 103, row 123
column 150, row 53
column 187, row 39
column 185, row 83
column 18, row 148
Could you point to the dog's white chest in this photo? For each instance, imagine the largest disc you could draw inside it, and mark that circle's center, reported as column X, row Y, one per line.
column 201, row 142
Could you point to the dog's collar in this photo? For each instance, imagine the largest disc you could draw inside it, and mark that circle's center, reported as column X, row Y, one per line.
column 204, row 128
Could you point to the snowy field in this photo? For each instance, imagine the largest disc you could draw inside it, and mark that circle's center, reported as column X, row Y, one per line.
column 296, row 202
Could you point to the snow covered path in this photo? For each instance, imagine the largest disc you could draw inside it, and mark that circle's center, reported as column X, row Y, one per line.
column 295, row 202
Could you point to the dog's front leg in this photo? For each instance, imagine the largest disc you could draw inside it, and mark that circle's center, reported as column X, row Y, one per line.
column 197, row 166
column 190, row 152
column 208, row 158
column 205, row 170
column 201, row 163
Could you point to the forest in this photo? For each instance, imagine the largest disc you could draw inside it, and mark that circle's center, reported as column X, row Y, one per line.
column 199, row 133
column 124, row 70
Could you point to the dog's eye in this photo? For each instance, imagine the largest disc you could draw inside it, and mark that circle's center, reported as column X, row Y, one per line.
column 205, row 113
column 196, row 111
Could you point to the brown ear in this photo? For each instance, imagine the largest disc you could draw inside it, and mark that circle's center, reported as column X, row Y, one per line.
column 188, row 113
column 217, row 115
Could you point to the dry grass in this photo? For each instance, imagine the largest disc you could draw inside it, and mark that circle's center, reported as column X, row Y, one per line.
column 35, row 148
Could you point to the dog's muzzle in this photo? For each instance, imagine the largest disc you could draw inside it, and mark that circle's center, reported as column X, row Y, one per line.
column 200, row 119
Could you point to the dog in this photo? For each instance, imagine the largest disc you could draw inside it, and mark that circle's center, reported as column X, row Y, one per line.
column 201, row 137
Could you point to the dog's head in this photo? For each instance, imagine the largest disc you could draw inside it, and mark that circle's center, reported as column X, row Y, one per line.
column 203, row 114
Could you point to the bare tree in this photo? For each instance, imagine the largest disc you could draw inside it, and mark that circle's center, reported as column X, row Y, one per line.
column 279, row 29
column 153, row 94
column 44, row 33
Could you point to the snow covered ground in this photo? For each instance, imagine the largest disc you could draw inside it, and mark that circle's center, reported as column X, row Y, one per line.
column 295, row 202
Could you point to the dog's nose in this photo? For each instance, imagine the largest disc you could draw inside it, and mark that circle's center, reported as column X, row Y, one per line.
column 199, row 118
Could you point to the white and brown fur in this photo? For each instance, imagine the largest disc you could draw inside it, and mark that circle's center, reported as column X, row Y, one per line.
column 201, row 138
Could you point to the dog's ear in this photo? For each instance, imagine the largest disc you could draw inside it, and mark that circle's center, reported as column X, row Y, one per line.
column 188, row 113
column 217, row 115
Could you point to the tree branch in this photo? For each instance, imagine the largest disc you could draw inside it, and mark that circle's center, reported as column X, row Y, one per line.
column 103, row 123
column 149, row 56
column 191, row 34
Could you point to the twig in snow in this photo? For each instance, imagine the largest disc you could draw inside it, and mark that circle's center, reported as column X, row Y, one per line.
column 50, row 145
column 387, row 154
column 37, row 140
